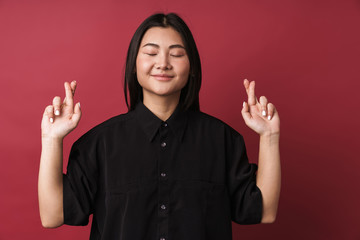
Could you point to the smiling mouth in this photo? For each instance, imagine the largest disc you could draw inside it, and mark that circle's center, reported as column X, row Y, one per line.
column 162, row 77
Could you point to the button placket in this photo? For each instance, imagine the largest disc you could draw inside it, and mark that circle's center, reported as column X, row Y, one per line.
column 163, row 186
column 163, row 144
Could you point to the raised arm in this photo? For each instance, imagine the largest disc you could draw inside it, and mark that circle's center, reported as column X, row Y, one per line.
column 59, row 119
column 262, row 117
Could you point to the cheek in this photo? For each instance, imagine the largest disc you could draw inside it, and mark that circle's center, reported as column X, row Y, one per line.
column 184, row 68
column 143, row 66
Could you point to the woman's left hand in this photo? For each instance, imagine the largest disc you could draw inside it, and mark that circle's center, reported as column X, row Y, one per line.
column 261, row 116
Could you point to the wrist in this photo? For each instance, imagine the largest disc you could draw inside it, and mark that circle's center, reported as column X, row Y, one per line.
column 270, row 137
column 270, row 134
column 51, row 139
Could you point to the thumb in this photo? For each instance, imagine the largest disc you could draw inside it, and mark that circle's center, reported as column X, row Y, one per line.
column 245, row 112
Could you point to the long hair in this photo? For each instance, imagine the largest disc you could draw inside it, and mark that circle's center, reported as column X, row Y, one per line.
column 189, row 97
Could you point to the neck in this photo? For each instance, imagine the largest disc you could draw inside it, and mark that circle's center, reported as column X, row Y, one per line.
column 162, row 106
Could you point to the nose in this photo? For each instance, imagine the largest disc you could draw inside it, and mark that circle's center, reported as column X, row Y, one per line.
column 163, row 62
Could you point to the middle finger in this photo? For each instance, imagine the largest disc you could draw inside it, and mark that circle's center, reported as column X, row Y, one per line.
column 251, row 94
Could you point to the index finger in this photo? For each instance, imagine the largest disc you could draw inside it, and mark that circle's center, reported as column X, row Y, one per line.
column 68, row 94
column 250, row 90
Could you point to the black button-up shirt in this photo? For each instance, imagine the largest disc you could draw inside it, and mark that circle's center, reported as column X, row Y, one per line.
column 145, row 179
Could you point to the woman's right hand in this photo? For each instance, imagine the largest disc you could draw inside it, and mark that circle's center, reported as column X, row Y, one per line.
column 60, row 119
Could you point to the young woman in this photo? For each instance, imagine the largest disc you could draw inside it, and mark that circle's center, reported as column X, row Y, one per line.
column 164, row 170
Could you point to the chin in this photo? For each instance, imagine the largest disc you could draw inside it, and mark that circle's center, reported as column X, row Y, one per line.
column 165, row 93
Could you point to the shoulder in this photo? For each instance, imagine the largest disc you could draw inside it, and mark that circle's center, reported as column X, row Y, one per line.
column 105, row 128
column 204, row 120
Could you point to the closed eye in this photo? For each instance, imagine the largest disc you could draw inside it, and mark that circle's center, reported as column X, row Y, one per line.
column 151, row 54
column 173, row 55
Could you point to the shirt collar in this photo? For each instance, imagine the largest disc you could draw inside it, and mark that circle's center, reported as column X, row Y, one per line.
column 150, row 123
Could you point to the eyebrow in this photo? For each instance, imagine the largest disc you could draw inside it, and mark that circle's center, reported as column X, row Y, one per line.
column 157, row 46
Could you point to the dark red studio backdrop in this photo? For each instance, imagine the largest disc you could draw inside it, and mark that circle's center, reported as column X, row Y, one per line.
column 304, row 56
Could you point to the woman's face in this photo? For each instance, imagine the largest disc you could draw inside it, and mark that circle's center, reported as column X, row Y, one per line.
column 162, row 65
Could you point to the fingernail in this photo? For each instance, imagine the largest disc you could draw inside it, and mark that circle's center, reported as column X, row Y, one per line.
column 57, row 112
column 79, row 104
column 264, row 113
column 244, row 104
column 269, row 117
column 51, row 120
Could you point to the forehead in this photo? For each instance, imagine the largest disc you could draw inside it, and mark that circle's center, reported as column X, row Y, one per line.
column 162, row 36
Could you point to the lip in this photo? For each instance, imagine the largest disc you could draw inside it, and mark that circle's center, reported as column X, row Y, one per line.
column 162, row 77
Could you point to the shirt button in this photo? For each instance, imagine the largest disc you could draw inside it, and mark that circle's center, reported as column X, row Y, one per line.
column 165, row 124
column 163, row 144
column 162, row 239
column 163, row 174
column 163, row 207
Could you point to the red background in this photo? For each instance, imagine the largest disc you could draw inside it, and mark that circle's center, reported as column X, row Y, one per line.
column 304, row 56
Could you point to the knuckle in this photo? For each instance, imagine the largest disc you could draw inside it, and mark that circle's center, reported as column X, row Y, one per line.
column 263, row 100
column 56, row 99
column 49, row 110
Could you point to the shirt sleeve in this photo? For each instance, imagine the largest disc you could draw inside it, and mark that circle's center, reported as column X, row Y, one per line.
column 80, row 182
column 245, row 196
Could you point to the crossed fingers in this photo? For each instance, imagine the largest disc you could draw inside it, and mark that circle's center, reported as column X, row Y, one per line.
column 68, row 100
column 57, row 106
column 266, row 108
